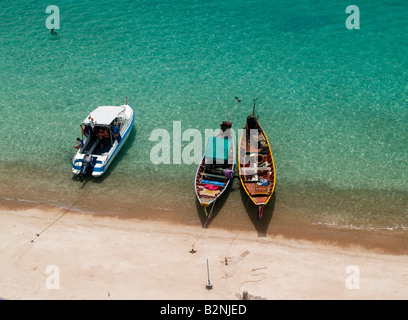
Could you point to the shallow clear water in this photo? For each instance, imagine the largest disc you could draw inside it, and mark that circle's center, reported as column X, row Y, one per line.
column 332, row 101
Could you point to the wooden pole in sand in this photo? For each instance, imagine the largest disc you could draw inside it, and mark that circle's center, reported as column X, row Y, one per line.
column 245, row 295
column 208, row 285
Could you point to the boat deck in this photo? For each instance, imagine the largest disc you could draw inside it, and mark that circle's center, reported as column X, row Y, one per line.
column 96, row 146
column 256, row 164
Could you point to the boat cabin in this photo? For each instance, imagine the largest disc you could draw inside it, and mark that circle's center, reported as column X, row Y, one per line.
column 102, row 129
column 218, row 151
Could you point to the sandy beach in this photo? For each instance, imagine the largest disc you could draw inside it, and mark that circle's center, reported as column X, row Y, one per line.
column 49, row 253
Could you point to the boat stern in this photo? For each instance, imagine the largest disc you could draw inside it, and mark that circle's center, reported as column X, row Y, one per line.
column 83, row 164
column 205, row 206
column 260, row 210
column 77, row 164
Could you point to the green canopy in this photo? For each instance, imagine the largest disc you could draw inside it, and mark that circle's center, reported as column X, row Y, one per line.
column 218, row 150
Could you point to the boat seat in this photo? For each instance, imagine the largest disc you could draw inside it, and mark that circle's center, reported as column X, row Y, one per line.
column 260, row 194
column 214, row 176
column 216, row 183
column 257, row 151
column 249, row 169
column 219, row 175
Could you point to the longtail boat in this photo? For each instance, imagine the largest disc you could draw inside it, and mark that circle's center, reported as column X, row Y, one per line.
column 255, row 162
column 216, row 168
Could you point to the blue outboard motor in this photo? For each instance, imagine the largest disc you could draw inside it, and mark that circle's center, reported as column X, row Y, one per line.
column 88, row 162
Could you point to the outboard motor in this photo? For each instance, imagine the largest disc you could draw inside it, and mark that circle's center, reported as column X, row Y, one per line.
column 87, row 162
column 87, row 165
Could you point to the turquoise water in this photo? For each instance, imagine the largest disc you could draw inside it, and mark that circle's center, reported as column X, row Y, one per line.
column 332, row 101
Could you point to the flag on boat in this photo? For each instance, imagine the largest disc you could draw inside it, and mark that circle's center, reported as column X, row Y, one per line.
column 260, row 212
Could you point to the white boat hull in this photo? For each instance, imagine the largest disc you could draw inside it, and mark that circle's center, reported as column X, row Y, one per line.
column 104, row 160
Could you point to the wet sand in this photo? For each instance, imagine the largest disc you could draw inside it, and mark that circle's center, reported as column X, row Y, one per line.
column 349, row 218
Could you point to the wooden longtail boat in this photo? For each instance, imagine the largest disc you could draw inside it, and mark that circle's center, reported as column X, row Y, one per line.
column 255, row 162
column 215, row 170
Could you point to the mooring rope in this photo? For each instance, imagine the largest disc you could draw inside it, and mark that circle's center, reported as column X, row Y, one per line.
column 254, row 275
column 63, row 214
column 226, row 253
column 210, row 214
column 204, row 227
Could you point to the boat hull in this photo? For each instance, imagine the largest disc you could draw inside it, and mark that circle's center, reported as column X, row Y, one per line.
column 210, row 181
column 104, row 160
column 256, row 165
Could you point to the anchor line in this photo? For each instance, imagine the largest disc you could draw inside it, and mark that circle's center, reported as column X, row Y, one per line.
column 63, row 214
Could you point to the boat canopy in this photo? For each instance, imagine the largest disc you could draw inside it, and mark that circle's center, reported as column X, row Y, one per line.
column 104, row 115
column 218, row 149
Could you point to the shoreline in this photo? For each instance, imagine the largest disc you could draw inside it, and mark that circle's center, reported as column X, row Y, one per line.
column 374, row 220
column 106, row 257
column 378, row 241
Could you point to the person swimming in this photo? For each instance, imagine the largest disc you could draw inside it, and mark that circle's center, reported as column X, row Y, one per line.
column 53, row 32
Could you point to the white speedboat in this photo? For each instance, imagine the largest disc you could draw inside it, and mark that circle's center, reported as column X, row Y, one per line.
column 104, row 132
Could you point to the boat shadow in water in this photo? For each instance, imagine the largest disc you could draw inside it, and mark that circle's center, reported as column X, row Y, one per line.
column 261, row 226
column 125, row 148
column 219, row 204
